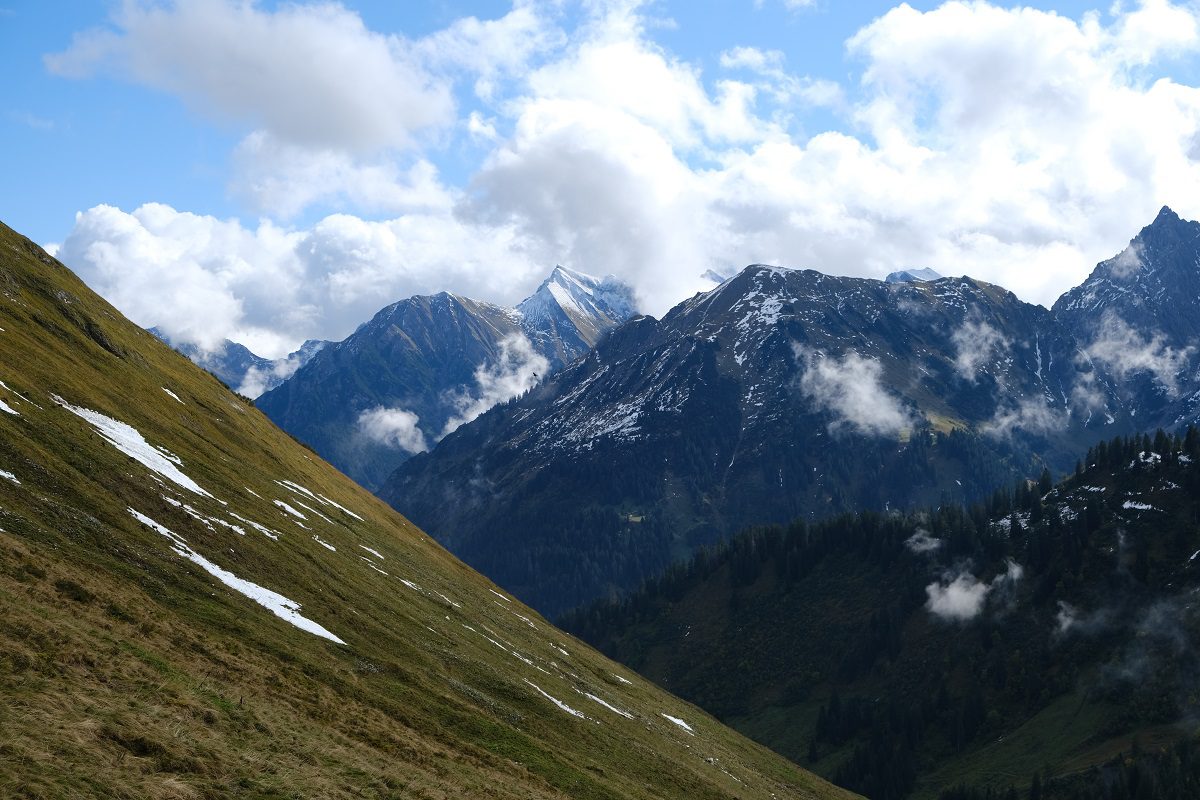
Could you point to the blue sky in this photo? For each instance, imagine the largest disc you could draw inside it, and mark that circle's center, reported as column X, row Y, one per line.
column 651, row 140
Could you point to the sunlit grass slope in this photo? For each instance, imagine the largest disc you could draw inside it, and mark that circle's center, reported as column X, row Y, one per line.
column 193, row 605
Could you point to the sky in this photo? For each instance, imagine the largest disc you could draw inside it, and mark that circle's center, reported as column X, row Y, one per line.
column 270, row 172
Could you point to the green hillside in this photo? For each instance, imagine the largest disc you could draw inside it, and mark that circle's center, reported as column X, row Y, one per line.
column 194, row 605
column 1040, row 634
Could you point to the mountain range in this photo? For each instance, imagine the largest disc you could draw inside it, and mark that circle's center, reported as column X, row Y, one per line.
column 197, row 606
column 425, row 365
column 784, row 393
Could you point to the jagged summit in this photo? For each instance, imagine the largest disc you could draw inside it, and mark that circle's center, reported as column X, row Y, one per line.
column 591, row 304
column 1152, row 286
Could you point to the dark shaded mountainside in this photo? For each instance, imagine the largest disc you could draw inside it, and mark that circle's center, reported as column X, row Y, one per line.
column 423, row 365
column 1029, row 639
column 195, row 606
column 786, row 393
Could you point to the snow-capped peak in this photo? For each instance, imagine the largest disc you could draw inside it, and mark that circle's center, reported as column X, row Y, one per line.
column 588, row 303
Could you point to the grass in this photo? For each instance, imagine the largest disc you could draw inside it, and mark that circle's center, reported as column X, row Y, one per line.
column 128, row 671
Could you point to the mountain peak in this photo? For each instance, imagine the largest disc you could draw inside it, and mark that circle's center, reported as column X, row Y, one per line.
column 1165, row 214
column 585, row 302
column 910, row 275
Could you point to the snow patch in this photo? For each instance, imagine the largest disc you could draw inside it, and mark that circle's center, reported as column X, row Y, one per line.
column 264, row 530
column 609, row 706
column 8, row 476
column 556, row 701
column 174, row 396
column 680, row 723
column 289, row 509
column 277, row 604
column 126, row 439
column 324, row 544
column 375, row 553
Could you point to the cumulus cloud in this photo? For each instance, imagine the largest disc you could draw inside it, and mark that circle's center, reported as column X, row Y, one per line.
column 203, row 280
column 312, row 74
column 277, row 177
column 393, row 427
column 515, row 371
column 976, row 343
column 1015, row 145
column 922, row 541
column 1125, row 351
column 851, row 390
column 960, row 597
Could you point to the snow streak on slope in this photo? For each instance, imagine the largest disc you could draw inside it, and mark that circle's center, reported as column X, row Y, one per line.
column 277, row 604
column 126, row 439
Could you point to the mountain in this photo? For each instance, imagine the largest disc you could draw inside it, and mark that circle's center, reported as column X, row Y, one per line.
column 1141, row 313
column 907, row 275
column 424, row 365
column 784, row 393
column 1045, row 631
column 567, row 314
column 194, row 605
column 240, row 369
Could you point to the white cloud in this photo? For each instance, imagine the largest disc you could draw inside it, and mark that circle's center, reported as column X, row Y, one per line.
column 851, row 390
column 312, row 74
column 515, row 371
column 922, row 541
column 283, row 179
column 976, row 343
column 393, row 427
column 204, row 280
column 1128, row 261
column 1125, row 351
column 1031, row 415
column 257, row 380
column 960, row 596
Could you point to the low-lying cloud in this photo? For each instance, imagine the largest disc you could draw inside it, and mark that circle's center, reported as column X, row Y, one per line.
column 393, row 427
column 515, row 371
column 1031, row 415
column 922, row 542
column 960, row 596
column 1125, row 351
column 257, row 380
column 851, row 390
column 976, row 343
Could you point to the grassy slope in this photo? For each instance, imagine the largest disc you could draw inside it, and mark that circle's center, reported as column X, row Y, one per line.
column 127, row 671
